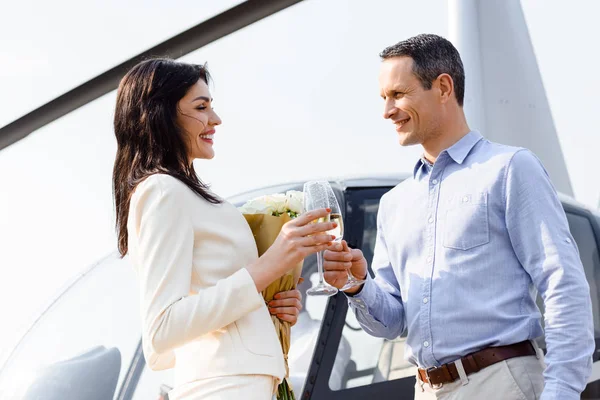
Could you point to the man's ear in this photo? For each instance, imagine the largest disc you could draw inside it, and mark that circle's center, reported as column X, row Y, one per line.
column 446, row 87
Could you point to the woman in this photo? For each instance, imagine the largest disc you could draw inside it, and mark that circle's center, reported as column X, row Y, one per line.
column 199, row 274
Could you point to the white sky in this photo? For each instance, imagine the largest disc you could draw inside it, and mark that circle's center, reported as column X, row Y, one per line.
column 297, row 93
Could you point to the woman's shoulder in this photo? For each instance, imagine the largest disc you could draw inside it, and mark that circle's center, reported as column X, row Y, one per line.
column 169, row 187
column 163, row 184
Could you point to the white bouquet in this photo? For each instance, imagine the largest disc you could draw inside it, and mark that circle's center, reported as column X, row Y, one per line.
column 265, row 216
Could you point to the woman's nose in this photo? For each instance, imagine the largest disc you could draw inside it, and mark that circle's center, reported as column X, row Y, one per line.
column 215, row 120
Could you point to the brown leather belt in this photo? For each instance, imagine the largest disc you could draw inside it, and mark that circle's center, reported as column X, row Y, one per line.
column 475, row 362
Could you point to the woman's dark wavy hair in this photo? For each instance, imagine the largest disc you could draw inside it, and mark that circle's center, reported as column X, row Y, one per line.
column 149, row 140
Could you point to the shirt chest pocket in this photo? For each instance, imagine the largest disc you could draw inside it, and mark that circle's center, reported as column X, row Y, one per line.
column 467, row 223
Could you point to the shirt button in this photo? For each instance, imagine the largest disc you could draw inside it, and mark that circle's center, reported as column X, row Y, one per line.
column 429, row 259
column 425, row 300
column 430, row 220
column 465, row 199
column 568, row 240
column 435, row 181
column 426, row 344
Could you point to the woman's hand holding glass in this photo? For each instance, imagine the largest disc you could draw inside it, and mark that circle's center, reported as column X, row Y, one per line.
column 298, row 239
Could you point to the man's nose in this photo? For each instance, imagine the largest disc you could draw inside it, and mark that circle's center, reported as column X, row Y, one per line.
column 389, row 110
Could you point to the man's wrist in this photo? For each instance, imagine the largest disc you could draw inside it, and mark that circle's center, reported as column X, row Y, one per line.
column 358, row 289
column 354, row 291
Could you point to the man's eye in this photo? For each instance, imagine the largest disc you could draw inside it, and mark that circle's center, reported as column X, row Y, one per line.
column 398, row 95
column 201, row 108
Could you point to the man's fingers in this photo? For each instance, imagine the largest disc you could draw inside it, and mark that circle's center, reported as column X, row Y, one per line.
column 336, row 256
column 336, row 247
column 336, row 278
column 336, row 265
column 345, row 246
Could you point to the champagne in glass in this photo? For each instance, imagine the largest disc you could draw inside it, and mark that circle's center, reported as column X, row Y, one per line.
column 338, row 231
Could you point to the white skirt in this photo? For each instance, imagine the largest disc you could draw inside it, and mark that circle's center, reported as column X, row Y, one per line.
column 248, row 387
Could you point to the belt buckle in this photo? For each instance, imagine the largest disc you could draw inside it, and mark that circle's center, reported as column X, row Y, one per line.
column 431, row 385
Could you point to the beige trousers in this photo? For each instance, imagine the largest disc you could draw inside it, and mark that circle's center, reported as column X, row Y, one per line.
column 519, row 378
column 247, row 387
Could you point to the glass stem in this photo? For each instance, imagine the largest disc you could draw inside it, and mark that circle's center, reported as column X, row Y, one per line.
column 320, row 266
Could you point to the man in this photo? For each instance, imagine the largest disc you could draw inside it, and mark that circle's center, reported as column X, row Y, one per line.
column 461, row 246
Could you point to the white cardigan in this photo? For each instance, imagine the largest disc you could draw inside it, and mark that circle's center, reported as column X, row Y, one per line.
column 201, row 312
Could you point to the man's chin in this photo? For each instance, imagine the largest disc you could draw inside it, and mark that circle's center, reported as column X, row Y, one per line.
column 407, row 139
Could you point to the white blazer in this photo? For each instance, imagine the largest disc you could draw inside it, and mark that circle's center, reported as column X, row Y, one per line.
column 201, row 312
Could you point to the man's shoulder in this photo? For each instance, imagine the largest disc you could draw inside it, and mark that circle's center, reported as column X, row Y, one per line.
column 491, row 149
column 501, row 155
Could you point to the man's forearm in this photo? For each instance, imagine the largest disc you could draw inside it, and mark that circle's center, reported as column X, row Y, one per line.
column 379, row 313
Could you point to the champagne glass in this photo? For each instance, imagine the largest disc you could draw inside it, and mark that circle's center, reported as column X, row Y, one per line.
column 319, row 194
column 336, row 216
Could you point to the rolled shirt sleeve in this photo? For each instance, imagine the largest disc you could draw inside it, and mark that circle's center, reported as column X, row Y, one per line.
column 540, row 236
column 378, row 306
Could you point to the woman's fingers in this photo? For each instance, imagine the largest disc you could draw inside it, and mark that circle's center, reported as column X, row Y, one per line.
column 316, row 240
column 291, row 302
column 294, row 293
column 284, row 310
column 310, row 216
column 312, row 229
column 292, row 319
column 286, row 305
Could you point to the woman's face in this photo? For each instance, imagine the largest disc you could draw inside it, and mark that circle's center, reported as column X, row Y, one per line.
column 197, row 120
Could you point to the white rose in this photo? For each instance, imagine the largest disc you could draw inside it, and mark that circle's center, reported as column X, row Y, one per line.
column 258, row 205
column 295, row 201
column 277, row 202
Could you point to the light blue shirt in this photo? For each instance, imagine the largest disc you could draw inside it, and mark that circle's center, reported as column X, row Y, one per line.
column 462, row 247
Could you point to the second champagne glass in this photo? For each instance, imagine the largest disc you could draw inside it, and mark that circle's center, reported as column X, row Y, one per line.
column 319, row 194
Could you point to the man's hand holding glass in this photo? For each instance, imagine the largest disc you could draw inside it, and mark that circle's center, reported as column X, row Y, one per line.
column 339, row 259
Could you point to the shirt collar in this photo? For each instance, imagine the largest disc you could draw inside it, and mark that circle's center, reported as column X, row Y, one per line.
column 461, row 149
column 458, row 151
column 421, row 164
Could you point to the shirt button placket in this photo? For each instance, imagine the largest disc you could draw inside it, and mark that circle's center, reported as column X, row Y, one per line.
column 430, row 252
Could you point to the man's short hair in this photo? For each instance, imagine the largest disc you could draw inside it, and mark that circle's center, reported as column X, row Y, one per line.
column 432, row 56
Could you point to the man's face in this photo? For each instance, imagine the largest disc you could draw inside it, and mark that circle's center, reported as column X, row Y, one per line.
column 413, row 110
